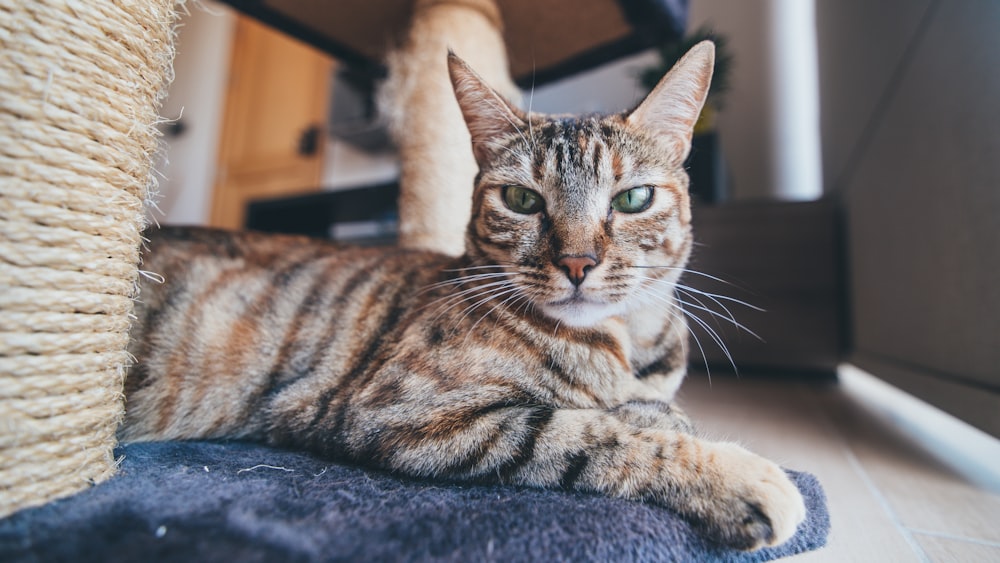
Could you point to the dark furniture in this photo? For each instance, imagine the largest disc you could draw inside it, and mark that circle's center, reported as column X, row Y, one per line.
column 331, row 214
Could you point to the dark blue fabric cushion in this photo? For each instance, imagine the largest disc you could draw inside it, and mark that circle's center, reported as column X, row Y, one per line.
column 209, row 501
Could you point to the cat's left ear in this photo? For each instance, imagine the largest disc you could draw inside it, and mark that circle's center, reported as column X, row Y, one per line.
column 670, row 111
column 487, row 114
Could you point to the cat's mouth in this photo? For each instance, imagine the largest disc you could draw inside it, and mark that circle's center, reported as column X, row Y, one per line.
column 578, row 310
column 577, row 298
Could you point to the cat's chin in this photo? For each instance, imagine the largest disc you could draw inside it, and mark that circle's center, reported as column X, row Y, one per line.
column 580, row 314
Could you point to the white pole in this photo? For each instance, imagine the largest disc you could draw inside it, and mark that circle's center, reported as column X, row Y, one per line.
column 797, row 163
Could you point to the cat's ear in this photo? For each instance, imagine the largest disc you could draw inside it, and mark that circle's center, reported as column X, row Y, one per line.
column 487, row 114
column 670, row 111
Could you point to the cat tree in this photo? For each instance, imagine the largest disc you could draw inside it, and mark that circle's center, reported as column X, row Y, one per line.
column 437, row 169
column 80, row 86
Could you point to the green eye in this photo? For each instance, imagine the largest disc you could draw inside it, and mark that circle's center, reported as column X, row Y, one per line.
column 522, row 200
column 634, row 200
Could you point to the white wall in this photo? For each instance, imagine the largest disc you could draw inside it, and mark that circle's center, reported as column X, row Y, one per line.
column 196, row 96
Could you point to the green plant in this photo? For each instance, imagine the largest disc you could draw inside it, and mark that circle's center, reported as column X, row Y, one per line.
column 671, row 51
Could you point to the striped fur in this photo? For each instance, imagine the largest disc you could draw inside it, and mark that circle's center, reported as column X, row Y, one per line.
column 495, row 366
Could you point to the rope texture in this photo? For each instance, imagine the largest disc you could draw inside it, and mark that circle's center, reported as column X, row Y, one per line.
column 80, row 88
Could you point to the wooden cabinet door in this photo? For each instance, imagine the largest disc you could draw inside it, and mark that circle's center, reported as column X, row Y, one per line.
column 274, row 124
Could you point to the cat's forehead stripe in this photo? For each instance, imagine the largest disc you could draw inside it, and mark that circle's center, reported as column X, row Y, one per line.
column 572, row 147
column 617, row 166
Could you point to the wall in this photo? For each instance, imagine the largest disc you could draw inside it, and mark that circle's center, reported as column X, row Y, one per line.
column 769, row 127
column 861, row 45
column 196, row 96
column 911, row 128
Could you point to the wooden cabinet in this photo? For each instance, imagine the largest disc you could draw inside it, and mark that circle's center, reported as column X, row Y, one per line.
column 274, row 123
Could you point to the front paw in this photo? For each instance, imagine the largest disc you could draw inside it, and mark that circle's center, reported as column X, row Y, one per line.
column 751, row 503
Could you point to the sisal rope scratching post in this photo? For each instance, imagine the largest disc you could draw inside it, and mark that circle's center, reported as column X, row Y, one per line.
column 437, row 166
column 80, row 86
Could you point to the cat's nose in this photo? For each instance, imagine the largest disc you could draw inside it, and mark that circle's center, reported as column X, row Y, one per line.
column 576, row 267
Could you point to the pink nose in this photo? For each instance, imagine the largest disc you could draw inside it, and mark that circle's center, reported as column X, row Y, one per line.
column 576, row 267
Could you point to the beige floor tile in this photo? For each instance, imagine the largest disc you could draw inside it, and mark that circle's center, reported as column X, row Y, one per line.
column 784, row 421
column 947, row 550
column 923, row 491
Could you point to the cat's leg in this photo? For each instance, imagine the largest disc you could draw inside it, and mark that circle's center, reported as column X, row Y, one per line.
column 736, row 497
column 654, row 414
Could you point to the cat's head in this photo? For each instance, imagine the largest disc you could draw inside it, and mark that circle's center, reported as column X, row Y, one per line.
column 580, row 213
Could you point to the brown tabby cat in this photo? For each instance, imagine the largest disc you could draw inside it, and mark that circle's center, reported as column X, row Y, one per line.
column 546, row 356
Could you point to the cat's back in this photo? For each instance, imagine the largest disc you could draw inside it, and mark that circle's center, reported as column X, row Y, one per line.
column 222, row 313
column 179, row 249
column 184, row 264
column 190, row 268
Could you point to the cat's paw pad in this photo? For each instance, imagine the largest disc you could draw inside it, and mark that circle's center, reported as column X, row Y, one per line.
column 757, row 504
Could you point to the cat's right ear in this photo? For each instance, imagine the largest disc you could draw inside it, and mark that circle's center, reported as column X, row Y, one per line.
column 670, row 111
column 487, row 114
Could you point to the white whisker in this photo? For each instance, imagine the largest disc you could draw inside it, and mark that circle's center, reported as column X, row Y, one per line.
column 464, row 268
column 531, row 100
column 515, row 295
column 493, row 295
column 715, row 296
column 690, row 271
column 672, row 306
column 498, row 146
column 681, row 290
column 463, row 280
column 716, row 314
column 714, row 335
column 454, row 299
column 702, row 306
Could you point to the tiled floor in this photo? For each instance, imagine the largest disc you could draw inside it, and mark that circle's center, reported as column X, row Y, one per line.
column 903, row 481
